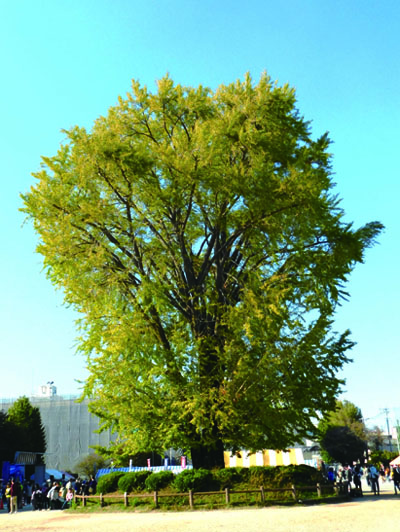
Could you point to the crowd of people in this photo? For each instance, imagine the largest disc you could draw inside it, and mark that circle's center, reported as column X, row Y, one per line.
column 55, row 495
column 51, row 495
column 374, row 476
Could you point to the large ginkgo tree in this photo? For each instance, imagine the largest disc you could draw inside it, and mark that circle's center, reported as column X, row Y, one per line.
column 198, row 234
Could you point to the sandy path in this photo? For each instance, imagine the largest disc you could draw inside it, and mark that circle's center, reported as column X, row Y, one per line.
column 370, row 514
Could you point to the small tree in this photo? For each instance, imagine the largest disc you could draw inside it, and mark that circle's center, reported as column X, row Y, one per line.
column 375, row 438
column 89, row 465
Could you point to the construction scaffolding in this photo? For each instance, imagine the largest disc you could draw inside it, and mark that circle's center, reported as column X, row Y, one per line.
column 70, row 429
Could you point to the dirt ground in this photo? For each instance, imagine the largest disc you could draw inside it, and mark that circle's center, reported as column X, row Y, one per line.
column 369, row 514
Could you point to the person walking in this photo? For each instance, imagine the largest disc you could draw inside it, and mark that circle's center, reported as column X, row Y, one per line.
column 374, row 476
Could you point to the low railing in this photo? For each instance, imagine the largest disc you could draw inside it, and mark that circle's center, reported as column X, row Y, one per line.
column 295, row 491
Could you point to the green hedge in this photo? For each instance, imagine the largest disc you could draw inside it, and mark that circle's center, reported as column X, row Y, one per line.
column 134, row 481
column 283, row 476
column 268, row 476
column 301, row 475
column 231, row 476
column 205, row 480
column 109, row 483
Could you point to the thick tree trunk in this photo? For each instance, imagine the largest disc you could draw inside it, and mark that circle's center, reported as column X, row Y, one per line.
column 208, row 458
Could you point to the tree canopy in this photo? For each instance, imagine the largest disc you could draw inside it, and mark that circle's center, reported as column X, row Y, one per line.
column 343, row 435
column 199, row 235
column 345, row 414
column 7, row 439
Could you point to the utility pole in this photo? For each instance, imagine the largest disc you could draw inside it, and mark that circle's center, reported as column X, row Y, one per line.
column 397, row 435
column 386, row 410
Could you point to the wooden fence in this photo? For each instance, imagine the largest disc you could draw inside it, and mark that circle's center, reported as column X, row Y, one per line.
column 337, row 488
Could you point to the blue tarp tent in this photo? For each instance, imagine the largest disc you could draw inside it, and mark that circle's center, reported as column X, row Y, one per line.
column 56, row 474
column 12, row 471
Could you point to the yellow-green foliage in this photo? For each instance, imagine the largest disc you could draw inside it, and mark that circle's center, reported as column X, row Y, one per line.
column 198, row 235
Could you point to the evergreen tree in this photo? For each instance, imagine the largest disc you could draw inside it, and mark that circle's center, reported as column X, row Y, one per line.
column 7, row 439
column 343, row 436
column 29, row 433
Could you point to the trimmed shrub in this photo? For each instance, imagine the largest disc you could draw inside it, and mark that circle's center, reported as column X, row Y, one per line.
column 196, row 480
column 302, row 475
column 158, row 481
column 228, row 477
column 134, row 481
column 109, row 483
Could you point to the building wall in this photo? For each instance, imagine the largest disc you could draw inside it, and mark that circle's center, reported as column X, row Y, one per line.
column 70, row 429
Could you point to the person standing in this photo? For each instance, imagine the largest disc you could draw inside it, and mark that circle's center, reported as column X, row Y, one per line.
column 53, row 496
column 68, row 499
column 7, row 493
column 37, row 498
column 357, row 474
column 14, row 489
column 350, row 475
column 45, row 491
column 78, row 486
column 92, row 485
column 27, row 492
column 396, row 479
column 19, row 489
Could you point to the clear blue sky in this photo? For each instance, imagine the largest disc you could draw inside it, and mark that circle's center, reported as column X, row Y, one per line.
column 65, row 62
